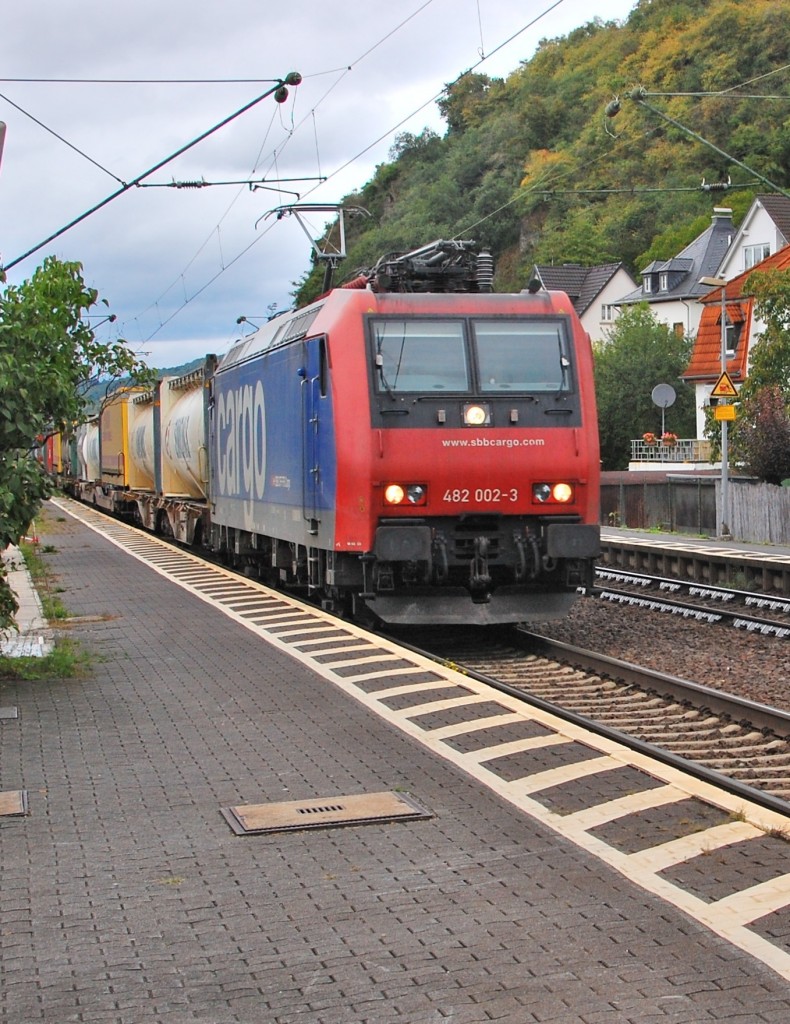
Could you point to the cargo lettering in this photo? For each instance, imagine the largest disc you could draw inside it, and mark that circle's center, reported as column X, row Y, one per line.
column 177, row 441
column 241, row 442
column 138, row 443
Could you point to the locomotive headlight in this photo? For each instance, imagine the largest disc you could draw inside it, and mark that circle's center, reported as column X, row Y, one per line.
column 562, row 493
column 405, row 494
column 394, row 494
column 476, row 415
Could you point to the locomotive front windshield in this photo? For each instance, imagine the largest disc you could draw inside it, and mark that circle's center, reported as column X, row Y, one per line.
column 518, row 356
column 428, row 355
column 502, row 355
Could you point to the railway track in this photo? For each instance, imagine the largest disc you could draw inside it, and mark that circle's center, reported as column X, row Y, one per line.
column 737, row 743
column 746, row 610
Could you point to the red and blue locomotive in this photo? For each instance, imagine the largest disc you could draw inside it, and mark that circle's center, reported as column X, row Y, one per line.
column 413, row 446
column 410, row 446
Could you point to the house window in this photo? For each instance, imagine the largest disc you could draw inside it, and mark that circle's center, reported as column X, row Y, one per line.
column 753, row 254
column 678, row 329
column 608, row 313
column 733, row 335
column 647, row 284
column 663, row 282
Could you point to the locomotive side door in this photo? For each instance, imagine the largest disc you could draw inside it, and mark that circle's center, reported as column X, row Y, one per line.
column 314, row 428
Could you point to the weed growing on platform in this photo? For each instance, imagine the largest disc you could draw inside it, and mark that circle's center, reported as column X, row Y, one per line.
column 43, row 580
column 65, row 661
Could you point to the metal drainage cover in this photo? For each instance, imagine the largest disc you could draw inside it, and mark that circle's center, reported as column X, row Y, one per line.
column 13, row 801
column 324, row 812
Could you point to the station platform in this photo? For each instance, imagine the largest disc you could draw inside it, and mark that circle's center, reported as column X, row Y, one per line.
column 726, row 546
column 756, row 567
column 125, row 896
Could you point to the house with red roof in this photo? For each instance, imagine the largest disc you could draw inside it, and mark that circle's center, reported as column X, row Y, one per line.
column 741, row 330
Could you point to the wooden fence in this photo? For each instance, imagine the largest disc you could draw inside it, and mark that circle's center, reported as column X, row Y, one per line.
column 687, row 503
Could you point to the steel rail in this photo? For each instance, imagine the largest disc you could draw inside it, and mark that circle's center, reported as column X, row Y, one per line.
column 714, row 615
column 678, row 689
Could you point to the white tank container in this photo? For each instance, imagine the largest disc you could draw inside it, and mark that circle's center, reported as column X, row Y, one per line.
column 90, row 463
column 184, row 453
column 141, row 441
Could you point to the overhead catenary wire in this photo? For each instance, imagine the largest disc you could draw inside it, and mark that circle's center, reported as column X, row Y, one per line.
column 638, row 94
column 65, row 142
column 341, row 71
column 125, row 186
column 536, row 189
column 138, row 180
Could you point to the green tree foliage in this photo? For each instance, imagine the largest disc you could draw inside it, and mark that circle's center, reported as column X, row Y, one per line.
column 49, row 356
column 533, row 168
column 463, row 103
column 639, row 354
column 761, row 434
column 762, row 440
column 769, row 357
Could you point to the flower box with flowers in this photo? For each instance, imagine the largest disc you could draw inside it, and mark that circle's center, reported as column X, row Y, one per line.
column 669, row 440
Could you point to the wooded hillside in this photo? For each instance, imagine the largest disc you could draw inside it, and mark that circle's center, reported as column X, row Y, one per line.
column 534, row 167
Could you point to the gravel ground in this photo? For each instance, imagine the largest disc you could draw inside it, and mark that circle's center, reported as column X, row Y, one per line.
column 750, row 665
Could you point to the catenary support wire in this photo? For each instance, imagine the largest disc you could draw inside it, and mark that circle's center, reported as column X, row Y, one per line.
column 280, row 92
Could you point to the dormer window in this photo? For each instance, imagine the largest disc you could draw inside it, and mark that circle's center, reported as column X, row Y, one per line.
column 754, row 254
column 732, row 335
column 663, row 282
column 647, row 284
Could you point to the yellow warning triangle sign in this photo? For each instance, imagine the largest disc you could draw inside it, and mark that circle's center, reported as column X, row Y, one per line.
column 724, row 387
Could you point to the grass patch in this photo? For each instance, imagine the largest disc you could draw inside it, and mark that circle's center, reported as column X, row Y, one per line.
column 44, row 580
column 65, row 661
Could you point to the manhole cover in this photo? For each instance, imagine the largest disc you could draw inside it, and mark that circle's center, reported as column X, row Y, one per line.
column 13, row 802
column 323, row 812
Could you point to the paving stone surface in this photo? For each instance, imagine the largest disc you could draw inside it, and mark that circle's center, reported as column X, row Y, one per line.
column 125, row 897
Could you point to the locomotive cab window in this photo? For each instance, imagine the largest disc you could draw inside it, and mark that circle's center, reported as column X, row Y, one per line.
column 414, row 355
column 521, row 356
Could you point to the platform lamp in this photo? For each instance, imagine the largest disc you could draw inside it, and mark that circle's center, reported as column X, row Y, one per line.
column 722, row 529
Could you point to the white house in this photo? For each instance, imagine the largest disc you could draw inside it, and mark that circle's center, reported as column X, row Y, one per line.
column 671, row 287
column 764, row 230
column 592, row 290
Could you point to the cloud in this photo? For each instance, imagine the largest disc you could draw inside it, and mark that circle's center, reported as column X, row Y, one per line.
column 179, row 265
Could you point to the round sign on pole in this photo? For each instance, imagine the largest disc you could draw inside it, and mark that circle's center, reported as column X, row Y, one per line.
column 663, row 395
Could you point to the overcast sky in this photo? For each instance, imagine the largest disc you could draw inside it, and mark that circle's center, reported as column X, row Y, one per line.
column 179, row 266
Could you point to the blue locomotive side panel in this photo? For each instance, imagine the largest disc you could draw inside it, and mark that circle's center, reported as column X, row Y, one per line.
column 273, row 462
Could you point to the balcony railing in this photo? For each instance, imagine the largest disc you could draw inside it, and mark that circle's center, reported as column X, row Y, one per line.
column 685, row 449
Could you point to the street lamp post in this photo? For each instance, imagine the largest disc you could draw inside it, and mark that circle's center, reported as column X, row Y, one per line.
column 722, row 529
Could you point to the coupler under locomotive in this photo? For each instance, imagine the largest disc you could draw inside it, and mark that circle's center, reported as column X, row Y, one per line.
column 478, row 569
